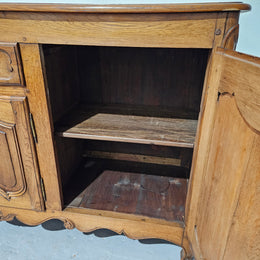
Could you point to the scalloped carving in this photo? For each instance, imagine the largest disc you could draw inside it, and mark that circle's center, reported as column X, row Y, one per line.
column 233, row 31
column 88, row 223
column 12, row 178
column 68, row 224
column 8, row 217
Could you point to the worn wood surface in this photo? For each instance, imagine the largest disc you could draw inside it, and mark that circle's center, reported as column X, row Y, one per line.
column 134, row 129
column 90, row 168
column 133, row 8
column 10, row 65
column 180, row 30
column 37, row 97
column 139, row 194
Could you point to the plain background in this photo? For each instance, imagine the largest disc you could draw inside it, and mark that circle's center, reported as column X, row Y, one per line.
column 51, row 241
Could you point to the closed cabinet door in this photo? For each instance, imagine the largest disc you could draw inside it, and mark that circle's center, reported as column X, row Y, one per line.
column 19, row 177
column 223, row 219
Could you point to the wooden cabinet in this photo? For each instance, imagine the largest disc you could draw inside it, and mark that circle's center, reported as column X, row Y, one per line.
column 144, row 122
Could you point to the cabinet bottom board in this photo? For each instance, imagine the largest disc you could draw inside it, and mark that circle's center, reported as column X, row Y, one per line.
column 134, row 193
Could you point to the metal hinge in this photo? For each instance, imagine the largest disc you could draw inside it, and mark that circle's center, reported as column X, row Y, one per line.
column 43, row 190
column 33, row 128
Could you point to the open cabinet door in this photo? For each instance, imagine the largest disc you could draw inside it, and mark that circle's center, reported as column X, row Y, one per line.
column 223, row 218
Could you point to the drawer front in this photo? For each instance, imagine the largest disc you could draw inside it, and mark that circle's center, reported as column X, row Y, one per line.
column 10, row 65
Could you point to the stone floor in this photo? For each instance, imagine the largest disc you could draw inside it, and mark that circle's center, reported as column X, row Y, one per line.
column 50, row 241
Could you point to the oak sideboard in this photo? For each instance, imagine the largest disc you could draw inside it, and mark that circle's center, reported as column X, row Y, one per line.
column 141, row 119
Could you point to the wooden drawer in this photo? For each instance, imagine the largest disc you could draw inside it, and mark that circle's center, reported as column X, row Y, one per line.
column 10, row 65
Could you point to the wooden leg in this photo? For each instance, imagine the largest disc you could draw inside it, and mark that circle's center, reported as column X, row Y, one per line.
column 184, row 256
column 186, row 253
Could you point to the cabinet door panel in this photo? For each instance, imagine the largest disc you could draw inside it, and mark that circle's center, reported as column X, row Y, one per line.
column 12, row 181
column 18, row 172
column 227, row 178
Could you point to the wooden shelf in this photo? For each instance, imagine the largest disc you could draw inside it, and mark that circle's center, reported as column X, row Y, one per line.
column 130, row 128
column 134, row 193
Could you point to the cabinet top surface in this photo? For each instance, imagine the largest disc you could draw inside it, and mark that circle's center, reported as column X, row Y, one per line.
column 129, row 8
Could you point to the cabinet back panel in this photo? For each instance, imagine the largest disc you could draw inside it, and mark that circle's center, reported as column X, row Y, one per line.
column 160, row 79
column 142, row 76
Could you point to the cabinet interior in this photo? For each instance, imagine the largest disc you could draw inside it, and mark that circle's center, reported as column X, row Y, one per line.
column 125, row 122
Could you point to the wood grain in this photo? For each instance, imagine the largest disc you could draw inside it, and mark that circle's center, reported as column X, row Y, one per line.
column 87, row 220
column 241, row 77
column 193, row 30
column 227, row 144
column 229, row 155
column 61, row 66
column 152, row 196
column 134, row 129
column 35, row 82
column 224, row 172
column 244, row 236
column 12, row 179
column 202, row 147
column 133, row 8
column 231, row 31
column 145, row 77
column 133, row 157
column 6, row 111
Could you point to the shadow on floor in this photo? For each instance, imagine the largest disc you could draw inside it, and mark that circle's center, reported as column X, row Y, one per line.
column 55, row 225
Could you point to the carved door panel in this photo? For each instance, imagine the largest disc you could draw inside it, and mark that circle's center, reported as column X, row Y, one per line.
column 224, row 209
column 19, row 178
column 10, row 68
